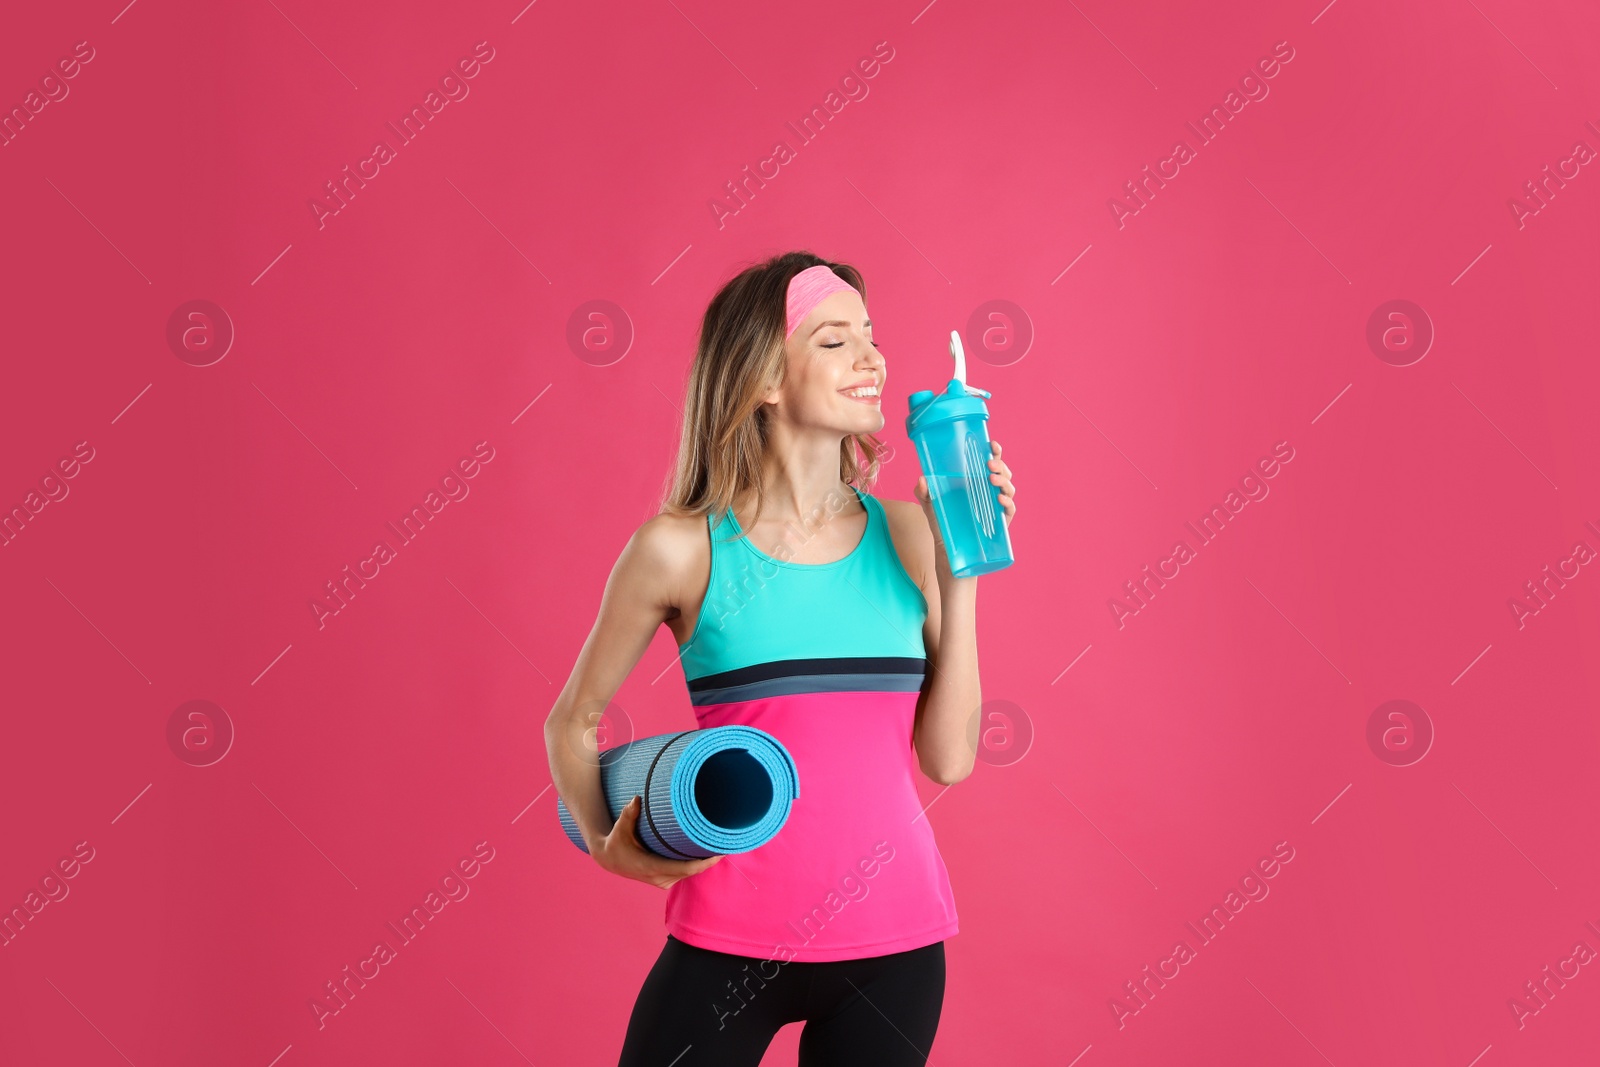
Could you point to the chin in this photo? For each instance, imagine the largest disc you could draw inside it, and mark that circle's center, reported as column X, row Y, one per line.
column 862, row 420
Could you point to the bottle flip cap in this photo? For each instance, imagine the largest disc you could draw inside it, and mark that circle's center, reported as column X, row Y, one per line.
column 958, row 399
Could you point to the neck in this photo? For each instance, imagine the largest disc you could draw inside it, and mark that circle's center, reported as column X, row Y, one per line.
column 800, row 474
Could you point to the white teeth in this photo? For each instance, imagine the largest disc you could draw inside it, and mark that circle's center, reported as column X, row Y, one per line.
column 866, row 390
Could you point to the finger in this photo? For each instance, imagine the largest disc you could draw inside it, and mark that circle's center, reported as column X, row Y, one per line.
column 628, row 817
column 994, row 446
column 662, row 872
column 682, row 868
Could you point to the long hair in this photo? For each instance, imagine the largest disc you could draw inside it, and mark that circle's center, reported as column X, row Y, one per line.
column 738, row 359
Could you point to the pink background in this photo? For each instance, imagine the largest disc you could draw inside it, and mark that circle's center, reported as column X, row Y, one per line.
column 372, row 754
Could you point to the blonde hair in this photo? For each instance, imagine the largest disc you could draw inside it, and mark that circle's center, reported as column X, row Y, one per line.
column 738, row 359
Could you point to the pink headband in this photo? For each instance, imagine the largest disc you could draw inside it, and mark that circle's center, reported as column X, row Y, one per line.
column 806, row 291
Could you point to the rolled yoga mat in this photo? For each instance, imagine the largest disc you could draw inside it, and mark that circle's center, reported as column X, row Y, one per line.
column 717, row 791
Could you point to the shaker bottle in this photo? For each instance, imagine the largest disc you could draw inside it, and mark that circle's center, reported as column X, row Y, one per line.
column 951, row 433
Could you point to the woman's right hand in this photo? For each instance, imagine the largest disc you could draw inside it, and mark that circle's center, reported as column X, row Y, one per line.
column 621, row 852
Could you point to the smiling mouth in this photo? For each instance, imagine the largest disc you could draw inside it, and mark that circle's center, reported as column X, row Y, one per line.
column 865, row 392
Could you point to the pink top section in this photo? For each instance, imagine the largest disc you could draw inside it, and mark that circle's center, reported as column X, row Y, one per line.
column 806, row 291
column 854, row 872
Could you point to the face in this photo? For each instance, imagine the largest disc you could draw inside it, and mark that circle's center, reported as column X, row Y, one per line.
column 830, row 357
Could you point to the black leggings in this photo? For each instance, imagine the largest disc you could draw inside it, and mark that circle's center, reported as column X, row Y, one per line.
column 700, row 1008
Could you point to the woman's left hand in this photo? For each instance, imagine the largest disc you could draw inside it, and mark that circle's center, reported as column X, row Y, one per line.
column 1001, row 476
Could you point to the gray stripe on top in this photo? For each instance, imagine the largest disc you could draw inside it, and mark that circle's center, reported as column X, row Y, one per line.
column 811, row 683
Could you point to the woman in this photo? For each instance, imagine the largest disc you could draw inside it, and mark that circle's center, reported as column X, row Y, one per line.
column 807, row 607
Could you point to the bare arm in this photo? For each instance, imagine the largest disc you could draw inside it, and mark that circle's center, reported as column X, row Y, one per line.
column 639, row 596
column 945, row 734
column 946, row 730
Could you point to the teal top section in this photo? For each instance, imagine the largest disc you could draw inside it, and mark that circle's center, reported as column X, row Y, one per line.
column 759, row 609
column 958, row 401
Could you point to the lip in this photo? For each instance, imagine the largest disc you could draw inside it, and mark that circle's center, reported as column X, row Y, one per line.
column 845, row 392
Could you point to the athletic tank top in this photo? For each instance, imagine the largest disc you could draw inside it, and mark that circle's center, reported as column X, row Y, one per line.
column 829, row 659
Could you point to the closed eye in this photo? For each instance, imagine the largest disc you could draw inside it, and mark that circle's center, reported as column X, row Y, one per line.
column 840, row 344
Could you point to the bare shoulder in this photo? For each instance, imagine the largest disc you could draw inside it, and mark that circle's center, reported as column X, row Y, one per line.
column 913, row 541
column 667, row 555
column 669, row 544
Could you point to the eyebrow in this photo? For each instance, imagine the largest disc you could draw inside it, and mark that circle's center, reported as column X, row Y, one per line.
column 839, row 322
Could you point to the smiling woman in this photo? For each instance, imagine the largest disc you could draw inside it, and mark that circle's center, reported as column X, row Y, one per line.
column 855, row 648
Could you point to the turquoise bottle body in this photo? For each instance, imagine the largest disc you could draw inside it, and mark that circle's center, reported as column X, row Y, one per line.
column 950, row 431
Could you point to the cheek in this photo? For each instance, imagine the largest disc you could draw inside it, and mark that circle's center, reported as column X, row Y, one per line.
column 812, row 383
column 819, row 394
